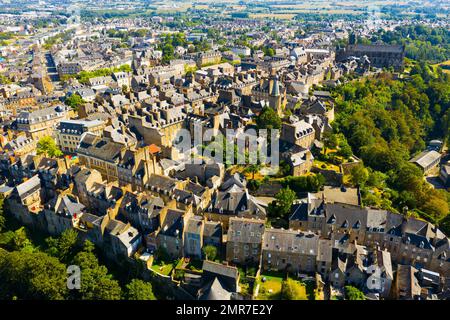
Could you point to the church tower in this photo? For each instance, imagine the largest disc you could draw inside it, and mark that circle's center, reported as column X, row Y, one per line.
column 275, row 98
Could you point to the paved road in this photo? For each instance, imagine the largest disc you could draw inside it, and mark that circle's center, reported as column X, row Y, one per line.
column 51, row 68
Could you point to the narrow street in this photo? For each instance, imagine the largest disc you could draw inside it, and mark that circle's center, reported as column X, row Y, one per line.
column 51, row 69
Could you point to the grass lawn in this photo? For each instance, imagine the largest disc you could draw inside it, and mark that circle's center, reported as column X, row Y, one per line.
column 304, row 295
column 161, row 267
column 271, row 288
column 248, row 175
column 326, row 165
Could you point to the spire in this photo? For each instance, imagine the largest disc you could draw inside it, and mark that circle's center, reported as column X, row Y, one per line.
column 275, row 87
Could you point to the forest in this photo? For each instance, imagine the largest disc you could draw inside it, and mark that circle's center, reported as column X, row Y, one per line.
column 33, row 266
column 422, row 43
column 386, row 121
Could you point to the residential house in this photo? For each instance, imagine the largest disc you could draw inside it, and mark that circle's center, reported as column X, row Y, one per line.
column 244, row 240
column 289, row 250
column 41, row 123
column 193, row 237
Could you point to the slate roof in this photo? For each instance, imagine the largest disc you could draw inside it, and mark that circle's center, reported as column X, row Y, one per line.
column 305, row 243
column 173, row 224
column 417, row 240
column 376, row 220
column 220, row 269
column 236, row 200
column 101, row 148
column 324, row 250
column 194, row 225
column 161, row 182
column 41, row 114
column 28, row 187
column 69, row 205
column 214, row 291
column 426, row 158
column 377, row 48
column 212, row 229
column 245, row 230
column 340, row 214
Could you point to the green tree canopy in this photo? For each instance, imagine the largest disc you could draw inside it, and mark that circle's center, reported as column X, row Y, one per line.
column 48, row 147
column 139, row 290
column 74, row 101
column 210, row 252
column 2, row 215
column 283, row 202
column 31, row 275
column 268, row 119
column 292, row 290
column 96, row 283
column 63, row 247
column 353, row 293
column 359, row 175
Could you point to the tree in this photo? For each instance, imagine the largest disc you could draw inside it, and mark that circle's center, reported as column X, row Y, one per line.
column 352, row 293
column 21, row 241
column 168, row 52
column 97, row 284
column 63, row 248
column 74, row 101
column 2, row 215
column 210, row 252
column 48, row 147
column 32, row 275
column 67, row 242
column 330, row 140
column 292, row 290
column 359, row 175
column 284, row 200
column 268, row 119
column 345, row 150
column 139, row 290
column 376, row 179
column 253, row 168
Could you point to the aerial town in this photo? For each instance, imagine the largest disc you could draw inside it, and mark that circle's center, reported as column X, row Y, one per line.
column 115, row 123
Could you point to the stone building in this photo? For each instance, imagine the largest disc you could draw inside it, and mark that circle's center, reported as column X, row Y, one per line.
column 244, row 240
